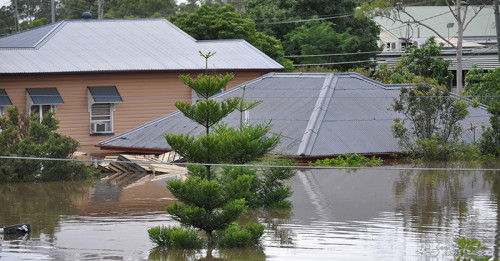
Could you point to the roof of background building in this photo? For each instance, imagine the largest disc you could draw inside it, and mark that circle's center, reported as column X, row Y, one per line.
column 122, row 45
column 437, row 17
column 317, row 114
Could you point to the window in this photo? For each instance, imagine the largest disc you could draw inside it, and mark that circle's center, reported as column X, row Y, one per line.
column 101, row 118
column 102, row 103
column 5, row 102
column 42, row 100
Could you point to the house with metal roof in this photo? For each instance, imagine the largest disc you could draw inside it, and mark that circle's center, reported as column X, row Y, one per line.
column 103, row 77
column 317, row 114
column 479, row 38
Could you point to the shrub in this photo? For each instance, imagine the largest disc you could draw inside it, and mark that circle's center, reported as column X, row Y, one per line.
column 176, row 237
column 25, row 136
column 490, row 143
column 238, row 237
column 471, row 249
column 348, row 160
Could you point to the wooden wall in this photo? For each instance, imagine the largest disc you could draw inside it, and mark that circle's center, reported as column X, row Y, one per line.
column 146, row 97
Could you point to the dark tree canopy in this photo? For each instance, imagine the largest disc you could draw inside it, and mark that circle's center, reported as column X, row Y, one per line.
column 298, row 24
column 217, row 21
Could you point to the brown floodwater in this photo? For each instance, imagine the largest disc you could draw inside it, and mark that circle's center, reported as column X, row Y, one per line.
column 368, row 214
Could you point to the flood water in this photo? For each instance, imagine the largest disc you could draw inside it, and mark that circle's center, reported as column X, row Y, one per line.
column 368, row 214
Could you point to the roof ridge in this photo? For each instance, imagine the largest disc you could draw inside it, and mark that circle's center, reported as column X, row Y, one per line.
column 317, row 115
column 49, row 35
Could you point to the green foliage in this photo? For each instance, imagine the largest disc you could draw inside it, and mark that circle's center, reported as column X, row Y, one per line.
column 371, row 9
column 210, row 22
column 72, row 9
column 24, row 136
column 176, row 237
column 319, row 37
column 490, row 142
column 268, row 188
column 282, row 19
column 248, row 143
column 423, row 62
column 348, row 160
column 207, row 85
column 273, row 190
column 429, row 128
column 238, row 237
column 211, row 199
column 25, row 25
column 484, row 86
column 471, row 249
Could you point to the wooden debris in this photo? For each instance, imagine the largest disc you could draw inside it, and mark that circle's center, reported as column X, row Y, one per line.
column 126, row 163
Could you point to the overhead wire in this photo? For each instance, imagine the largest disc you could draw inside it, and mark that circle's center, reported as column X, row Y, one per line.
column 249, row 165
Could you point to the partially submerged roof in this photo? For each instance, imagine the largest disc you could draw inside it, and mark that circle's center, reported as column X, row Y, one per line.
column 122, row 45
column 318, row 114
column 438, row 17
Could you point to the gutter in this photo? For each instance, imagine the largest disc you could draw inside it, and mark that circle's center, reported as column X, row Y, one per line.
column 134, row 149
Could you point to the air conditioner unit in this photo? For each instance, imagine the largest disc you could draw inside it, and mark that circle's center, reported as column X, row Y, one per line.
column 100, row 127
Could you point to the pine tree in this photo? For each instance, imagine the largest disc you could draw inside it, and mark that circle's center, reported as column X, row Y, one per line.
column 207, row 200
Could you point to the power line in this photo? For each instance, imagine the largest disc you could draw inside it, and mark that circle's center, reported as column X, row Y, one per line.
column 247, row 165
column 332, row 54
column 316, row 64
column 307, row 20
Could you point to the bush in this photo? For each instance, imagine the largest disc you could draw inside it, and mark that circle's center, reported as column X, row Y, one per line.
column 24, row 136
column 348, row 160
column 490, row 143
column 238, row 237
column 176, row 237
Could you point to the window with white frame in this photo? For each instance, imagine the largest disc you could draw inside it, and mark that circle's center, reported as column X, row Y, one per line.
column 101, row 118
column 102, row 102
column 41, row 110
column 43, row 100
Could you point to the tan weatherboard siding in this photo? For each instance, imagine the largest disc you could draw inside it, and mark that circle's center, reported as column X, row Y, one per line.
column 145, row 97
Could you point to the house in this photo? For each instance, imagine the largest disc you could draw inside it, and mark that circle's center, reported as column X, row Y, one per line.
column 103, row 77
column 317, row 114
column 479, row 38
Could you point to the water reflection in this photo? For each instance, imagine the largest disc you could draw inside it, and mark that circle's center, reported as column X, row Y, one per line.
column 370, row 214
column 43, row 205
column 160, row 254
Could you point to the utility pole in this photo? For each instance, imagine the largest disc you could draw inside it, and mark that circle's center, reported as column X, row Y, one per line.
column 52, row 5
column 497, row 23
column 460, row 32
column 100, row 9
column 17, row 16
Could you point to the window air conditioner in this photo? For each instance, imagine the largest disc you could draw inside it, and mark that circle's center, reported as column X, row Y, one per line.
column 100, row 127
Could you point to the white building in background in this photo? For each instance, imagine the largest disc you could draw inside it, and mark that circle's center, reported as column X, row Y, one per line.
column 479, row 39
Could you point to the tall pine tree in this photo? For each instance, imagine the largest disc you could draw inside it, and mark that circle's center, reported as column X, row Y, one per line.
column 208, row 200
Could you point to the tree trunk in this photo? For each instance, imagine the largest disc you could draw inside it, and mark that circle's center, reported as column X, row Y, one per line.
column 459, row 48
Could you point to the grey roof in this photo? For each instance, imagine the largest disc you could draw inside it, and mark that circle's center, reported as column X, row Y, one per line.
column 28, row 39
column 105, row 94
column 122, row 45
column 44, row 96
column 4, row 98
column 437, row 17
column 318, row 114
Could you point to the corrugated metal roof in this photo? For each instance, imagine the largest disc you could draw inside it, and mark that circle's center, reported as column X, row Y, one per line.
column 105, row 94
column 437, row 17
column 4, row 98
column 317, row 114
column 45, row 96
column 122, row 45
column 29, row 38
